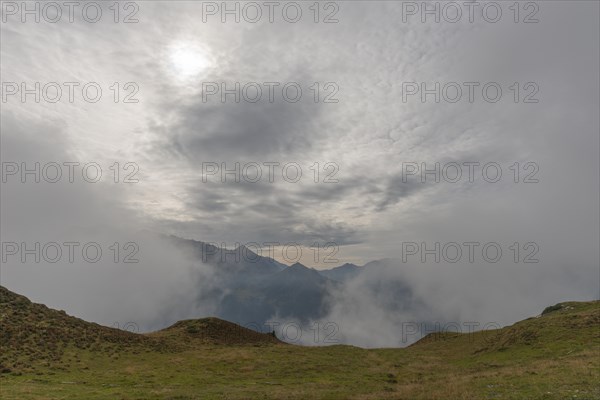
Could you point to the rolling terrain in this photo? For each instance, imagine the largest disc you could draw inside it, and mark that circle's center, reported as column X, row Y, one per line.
column 46, row 354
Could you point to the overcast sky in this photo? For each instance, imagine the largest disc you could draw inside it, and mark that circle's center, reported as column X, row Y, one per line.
column 364, row 61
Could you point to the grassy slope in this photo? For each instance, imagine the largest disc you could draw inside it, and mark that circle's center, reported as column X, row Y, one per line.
column 555, row 356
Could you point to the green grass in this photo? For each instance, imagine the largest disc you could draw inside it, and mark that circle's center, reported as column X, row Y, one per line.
column 555, row 356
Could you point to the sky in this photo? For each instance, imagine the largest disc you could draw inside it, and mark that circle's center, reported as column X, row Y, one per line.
column 369, row 119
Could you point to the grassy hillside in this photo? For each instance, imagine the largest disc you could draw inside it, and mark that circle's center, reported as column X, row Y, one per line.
column 32, row 336
column 192, row 333
column 48, row 355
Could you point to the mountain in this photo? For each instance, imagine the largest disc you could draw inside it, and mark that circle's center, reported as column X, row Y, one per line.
column 342, row 273
column 252, row 290
column 295, row 293
column 551, row 356
column 350, row 271
column 240, row 260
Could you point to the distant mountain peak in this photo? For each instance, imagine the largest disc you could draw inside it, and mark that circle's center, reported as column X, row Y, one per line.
column 348, row 265
column 301, row 270
column 298, row 265
column 245, row 251
column 343, row 272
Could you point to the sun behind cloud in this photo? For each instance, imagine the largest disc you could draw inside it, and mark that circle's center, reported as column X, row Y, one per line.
column 189, row 60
